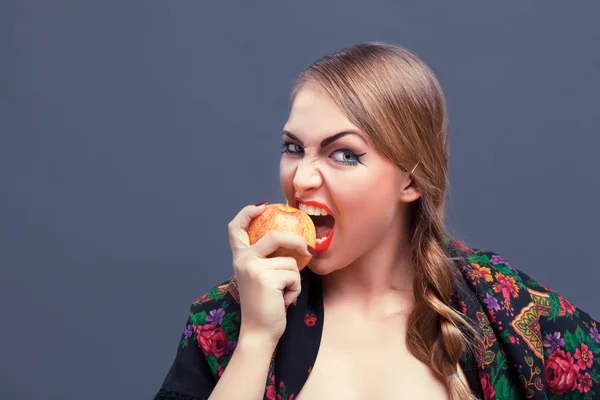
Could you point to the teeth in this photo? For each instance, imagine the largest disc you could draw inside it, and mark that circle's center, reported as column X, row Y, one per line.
column 321, row 240
column 312, row 210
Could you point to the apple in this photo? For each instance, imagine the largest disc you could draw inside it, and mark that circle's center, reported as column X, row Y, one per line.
column 285, row 218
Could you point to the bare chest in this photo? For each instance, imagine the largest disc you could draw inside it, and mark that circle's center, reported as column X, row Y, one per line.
column 369, row 362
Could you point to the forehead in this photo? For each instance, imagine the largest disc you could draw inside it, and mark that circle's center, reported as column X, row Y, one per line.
column 314, row 113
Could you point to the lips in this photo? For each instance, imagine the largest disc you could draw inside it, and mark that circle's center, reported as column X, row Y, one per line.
column 313, row 203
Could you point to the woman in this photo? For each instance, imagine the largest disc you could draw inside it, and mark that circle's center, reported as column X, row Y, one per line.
column 390, row 306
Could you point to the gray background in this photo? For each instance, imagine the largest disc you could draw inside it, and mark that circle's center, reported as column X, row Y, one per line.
column 133, row 132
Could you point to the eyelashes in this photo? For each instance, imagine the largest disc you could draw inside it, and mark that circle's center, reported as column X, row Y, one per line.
column 355, row 158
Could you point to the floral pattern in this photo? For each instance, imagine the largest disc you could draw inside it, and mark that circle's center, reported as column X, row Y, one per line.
column 532, row 344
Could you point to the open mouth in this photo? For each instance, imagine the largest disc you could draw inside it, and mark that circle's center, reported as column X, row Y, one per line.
column 324, row 222
column 325, row 227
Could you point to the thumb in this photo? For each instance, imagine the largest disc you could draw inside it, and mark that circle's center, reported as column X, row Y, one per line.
column 238, row 227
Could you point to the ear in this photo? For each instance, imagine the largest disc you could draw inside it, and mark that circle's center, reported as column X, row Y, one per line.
column 408, row 191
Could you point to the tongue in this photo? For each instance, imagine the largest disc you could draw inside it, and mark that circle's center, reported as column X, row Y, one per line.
column 323, row 231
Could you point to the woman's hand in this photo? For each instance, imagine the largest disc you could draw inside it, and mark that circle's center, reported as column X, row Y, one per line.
column 267, row 286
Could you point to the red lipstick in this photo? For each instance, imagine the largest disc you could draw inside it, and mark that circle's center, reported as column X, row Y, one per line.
column 298, row 200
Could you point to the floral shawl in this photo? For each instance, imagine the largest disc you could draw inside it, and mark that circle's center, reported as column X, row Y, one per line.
column 536, row 344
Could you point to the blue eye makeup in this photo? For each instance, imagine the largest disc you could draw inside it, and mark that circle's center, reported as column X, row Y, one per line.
column 348, row 156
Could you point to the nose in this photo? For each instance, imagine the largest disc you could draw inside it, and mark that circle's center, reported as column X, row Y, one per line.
column 307, row 177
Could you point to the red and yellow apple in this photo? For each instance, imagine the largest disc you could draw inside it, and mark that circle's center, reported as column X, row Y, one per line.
column 284, row 218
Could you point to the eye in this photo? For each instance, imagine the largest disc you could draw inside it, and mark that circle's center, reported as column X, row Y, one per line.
column 348, row 156
column 285, row 148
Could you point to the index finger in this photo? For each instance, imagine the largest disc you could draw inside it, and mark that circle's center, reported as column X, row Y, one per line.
column 238, row 227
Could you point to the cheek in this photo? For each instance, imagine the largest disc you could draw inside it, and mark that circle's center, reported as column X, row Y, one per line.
column 367, row 204
column 286, row 177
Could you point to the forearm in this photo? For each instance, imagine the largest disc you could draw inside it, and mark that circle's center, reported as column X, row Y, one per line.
column 246, row 374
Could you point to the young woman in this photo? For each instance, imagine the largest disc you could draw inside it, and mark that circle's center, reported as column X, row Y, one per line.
column 390, row 306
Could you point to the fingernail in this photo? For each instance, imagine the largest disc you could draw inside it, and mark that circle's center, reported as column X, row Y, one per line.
column 261, row 203
column 311, row 250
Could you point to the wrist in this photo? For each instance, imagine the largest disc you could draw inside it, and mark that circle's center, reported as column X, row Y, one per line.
column 256, row 342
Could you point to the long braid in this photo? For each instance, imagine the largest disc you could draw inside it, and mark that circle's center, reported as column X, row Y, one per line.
column 434, row 327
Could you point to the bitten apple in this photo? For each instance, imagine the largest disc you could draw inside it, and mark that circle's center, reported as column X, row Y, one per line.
column 284, row 217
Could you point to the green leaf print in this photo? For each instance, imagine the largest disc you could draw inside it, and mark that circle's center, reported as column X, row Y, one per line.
column 580, row 335
column 583, row 338
column 493, row 375
column 481, row 259
column 533, row 283
column 505, row 335
column 504, row 391
column 236, row 317
column 501, row 361
column 228, row 325
column 214, row 294
column 554, row 306
column 199, row 318
column 224, row 361
column 503, row 269
column 571, row 342
column 213, row 363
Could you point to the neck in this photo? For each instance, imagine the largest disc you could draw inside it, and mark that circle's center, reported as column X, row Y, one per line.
column 380, row 279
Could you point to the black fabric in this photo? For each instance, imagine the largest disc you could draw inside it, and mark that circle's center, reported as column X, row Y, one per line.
column 189, row 377
column 532, row 342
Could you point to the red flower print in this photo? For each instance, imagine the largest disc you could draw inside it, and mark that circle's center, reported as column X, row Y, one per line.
column 562, row 372
column 291, row 397
column 212, row 339
column 566, row 305
column 486, row 386
column 584, row 356
column 281, row 385
column 462, row 246
column 220, row 370
column 506, row 285
column 310, row 319
column 271, row 394
column 201, row 299
column 584, row 383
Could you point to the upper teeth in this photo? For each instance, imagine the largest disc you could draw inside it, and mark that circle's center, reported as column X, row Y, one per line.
column 312, row 210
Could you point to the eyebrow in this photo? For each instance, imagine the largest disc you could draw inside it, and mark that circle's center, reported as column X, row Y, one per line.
column 328, row 140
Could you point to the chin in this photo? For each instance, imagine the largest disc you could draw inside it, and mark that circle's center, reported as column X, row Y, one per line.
column 319, row 271
column 321, row 267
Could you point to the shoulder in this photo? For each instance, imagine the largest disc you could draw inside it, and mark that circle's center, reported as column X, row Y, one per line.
column 549, row 302
column 496, row 279
column 505, row 278
column 214, row 324
column 218, row 294
column 530, row 318
column 501, row 286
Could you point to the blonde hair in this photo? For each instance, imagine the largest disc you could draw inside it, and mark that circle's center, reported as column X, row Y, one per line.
column 397, row 101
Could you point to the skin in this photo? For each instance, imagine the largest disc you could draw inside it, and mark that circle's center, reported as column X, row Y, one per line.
column 364, row 271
